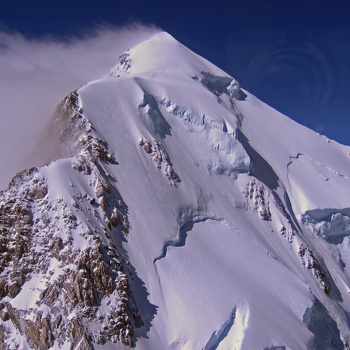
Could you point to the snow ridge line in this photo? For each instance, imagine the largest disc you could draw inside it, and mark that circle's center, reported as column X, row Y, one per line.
column 218, row 336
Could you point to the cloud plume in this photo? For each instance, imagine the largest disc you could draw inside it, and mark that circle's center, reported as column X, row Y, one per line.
column 36, row 74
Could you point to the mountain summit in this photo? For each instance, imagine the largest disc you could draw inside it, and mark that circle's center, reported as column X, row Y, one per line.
column 177, row 211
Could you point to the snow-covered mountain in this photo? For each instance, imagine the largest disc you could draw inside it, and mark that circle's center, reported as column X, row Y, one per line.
column 177, row 211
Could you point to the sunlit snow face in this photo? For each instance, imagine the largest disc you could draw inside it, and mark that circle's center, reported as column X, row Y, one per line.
column 36, row 74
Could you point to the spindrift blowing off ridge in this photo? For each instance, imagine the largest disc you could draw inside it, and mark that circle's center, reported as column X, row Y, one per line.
column 176, row 211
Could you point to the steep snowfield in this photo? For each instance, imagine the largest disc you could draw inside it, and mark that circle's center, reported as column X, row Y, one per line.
column 229, row 221
column 310, row 166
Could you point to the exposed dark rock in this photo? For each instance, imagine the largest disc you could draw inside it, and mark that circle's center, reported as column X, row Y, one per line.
column 155, row 149
column 13, row 289
column 99, row 192
column 38, row 333
column 114, row 220
column 4, row 333
column 147, row 147
column 103, row 204
column 4, row 315
column 82, row 166
column 257, row 195
column 78, row 336
column 39, row 192
column 311, row 263
column 123, row 67
column 37, row 233
column 3, row 288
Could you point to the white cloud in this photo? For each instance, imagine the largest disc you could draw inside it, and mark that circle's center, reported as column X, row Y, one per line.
column 36, row 74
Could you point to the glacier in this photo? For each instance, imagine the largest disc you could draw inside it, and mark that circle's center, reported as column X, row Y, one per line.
column 175, row 210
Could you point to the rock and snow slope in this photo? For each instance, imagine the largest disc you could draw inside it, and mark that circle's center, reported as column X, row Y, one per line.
column 181, row 213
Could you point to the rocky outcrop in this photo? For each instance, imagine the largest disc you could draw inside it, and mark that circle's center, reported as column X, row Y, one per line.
column 59, row 272
column 258, row 198
column 160, row 156
column 311, row 263
column 123, row 66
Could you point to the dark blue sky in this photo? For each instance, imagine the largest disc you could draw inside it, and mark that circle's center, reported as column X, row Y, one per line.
column 294, row 55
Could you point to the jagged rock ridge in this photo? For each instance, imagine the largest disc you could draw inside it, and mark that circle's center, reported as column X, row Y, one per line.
column 38, row 235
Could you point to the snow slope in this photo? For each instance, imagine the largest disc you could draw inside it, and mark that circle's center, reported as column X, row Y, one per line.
column 232, row 227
